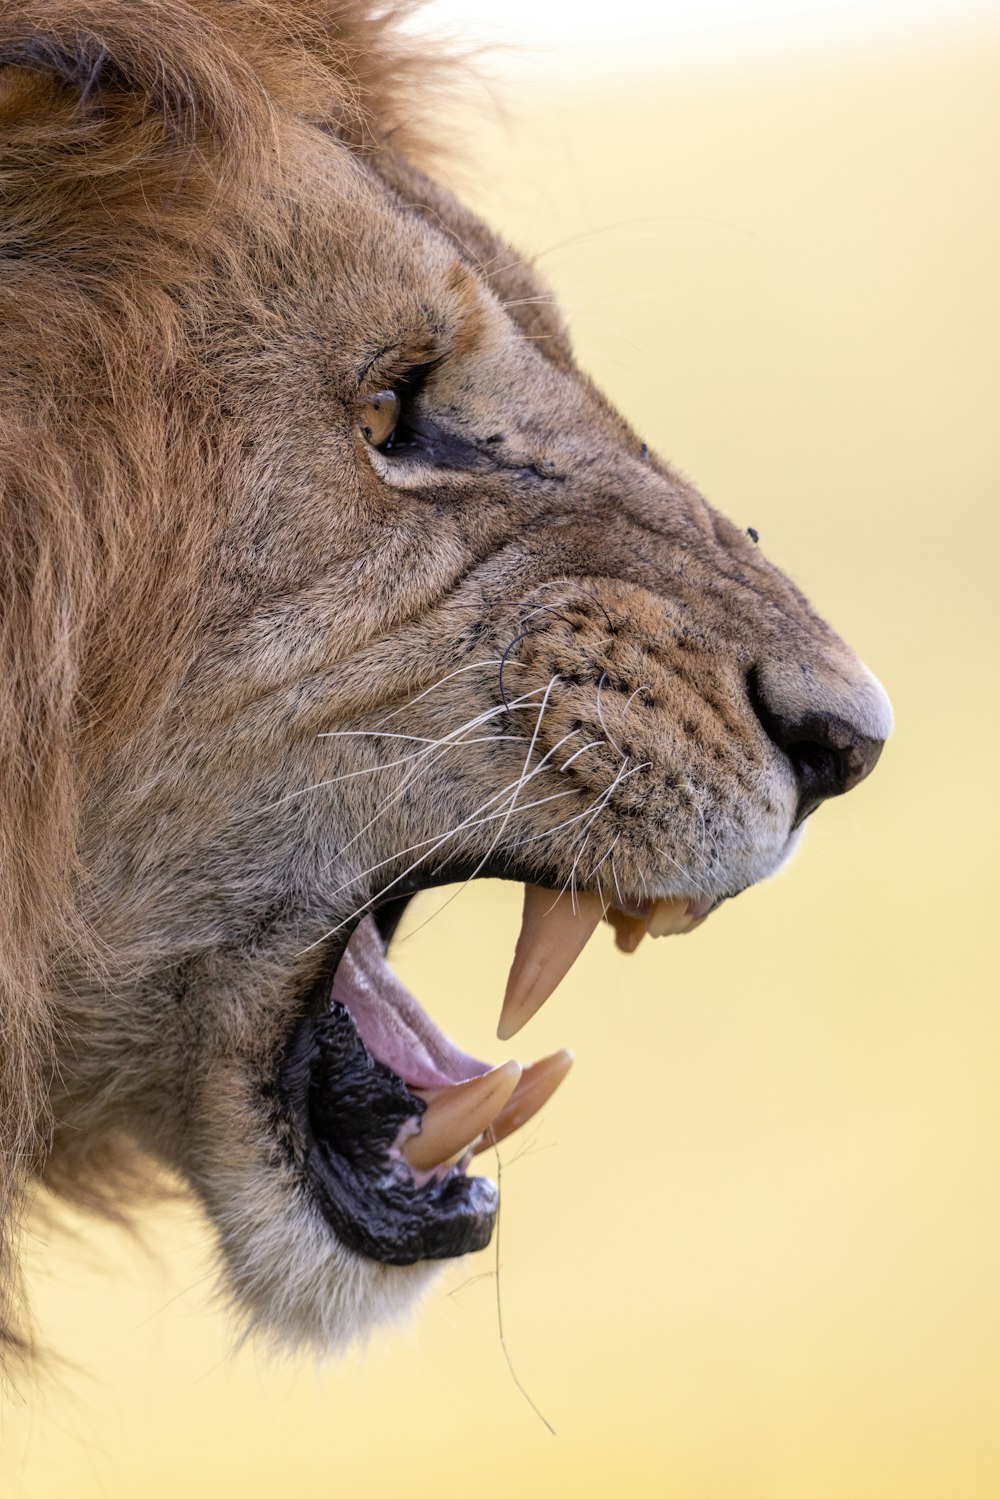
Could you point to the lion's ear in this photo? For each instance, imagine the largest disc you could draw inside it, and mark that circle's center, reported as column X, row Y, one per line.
column 118, row 118
column 167, row 66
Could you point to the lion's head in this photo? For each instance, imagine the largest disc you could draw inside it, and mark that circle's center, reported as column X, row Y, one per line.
column 327, row 576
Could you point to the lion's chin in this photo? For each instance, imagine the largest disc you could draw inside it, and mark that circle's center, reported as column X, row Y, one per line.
column 292, row 1283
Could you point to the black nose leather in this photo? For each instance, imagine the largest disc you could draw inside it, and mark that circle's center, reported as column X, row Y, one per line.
column 828, row 755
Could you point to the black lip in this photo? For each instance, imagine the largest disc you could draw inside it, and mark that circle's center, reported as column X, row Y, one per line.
column 350, row 1109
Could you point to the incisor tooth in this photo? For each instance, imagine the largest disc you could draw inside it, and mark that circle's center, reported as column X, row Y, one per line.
column 537, row 1085
column 455, row 1117
column 629, row 930
column 668, row 917
column 554, row 931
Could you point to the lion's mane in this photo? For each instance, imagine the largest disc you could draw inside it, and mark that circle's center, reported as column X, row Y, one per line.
column 132, row 140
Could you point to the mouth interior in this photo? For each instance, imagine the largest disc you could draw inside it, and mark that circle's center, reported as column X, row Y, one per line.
column 394, row 1111
column 392, row 1024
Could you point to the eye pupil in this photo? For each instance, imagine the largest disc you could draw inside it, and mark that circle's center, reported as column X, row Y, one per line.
column 378, row 416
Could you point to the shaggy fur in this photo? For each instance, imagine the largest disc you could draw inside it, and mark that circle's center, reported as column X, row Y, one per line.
column 215, row 239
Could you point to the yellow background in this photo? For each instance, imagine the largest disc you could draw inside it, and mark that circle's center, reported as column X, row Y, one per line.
column 753, row 1249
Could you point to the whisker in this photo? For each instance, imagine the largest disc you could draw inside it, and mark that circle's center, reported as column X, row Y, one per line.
column 527, row 759
column 485, row 859
column 547, row 832
column 470, row 666
column 606, row 855
column 472, row 723
column 618, row 888
column 385, row 734
column 680, row 867
column 370, row 770
column 584, row 834
column 600, row 714
column 473, row 821
column 594, row 744
column 349, row 775
column 549, row 301
column 633, row 695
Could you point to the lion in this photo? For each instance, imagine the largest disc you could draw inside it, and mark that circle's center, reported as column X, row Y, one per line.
column 328, row 577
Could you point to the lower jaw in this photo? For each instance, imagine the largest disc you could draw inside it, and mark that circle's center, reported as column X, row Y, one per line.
column 351, row 1109
column 350, row 1112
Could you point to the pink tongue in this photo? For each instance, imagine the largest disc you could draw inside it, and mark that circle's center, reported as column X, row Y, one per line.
column 390, row 1022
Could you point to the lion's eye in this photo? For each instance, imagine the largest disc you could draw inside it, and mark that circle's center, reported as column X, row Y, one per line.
column 378, row 416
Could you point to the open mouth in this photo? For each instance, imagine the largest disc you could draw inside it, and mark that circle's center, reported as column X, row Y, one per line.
column 391, row 1112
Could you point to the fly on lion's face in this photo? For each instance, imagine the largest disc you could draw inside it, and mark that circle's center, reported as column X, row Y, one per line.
column 372, row 591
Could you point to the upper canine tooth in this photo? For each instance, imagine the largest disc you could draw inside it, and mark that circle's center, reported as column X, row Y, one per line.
column 554, row 931
column 668, row 917
column 455, row 1117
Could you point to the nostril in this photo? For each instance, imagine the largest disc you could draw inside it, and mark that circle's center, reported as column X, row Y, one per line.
column 827, row 754
column 820, row 771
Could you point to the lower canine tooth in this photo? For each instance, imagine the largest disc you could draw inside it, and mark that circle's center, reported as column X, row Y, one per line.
column 537, row 1085
column 554, row 931
column 455, row 1117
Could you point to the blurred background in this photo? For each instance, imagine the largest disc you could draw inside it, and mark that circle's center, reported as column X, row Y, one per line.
column 752, row 1250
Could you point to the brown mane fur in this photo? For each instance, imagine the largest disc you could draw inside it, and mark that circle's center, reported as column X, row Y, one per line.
column 125, row 148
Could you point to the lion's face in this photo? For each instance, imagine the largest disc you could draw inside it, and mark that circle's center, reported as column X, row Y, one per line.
column 456, row 621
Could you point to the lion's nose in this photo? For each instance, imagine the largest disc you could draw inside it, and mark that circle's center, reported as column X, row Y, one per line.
column 828, row 753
